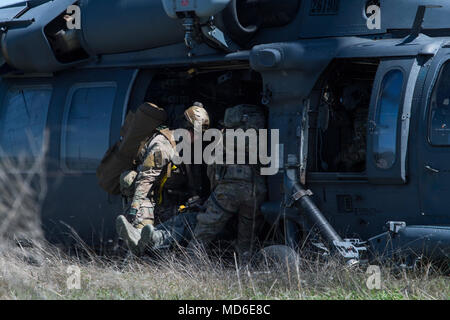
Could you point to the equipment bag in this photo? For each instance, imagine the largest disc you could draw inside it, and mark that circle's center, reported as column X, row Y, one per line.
column 138, row 126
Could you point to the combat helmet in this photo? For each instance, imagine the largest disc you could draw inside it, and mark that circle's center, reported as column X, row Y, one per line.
column 245, row 116
column 196, row 115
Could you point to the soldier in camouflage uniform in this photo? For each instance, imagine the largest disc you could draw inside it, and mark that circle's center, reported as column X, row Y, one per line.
column 352, row 158
column 238, row 191
column 143, row 188
column 355, row 100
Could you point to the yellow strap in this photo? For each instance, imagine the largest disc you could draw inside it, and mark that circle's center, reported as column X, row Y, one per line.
column 163, row 182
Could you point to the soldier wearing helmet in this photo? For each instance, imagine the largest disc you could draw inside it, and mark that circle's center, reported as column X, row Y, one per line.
column 155, row 175
column 196, row 117
column 237, row 192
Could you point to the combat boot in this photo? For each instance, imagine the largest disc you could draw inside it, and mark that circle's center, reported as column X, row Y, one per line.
column 151, row 238
column 129, row 234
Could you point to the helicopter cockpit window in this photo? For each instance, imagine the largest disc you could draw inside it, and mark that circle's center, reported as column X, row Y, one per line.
column 87, row 127
column 440, row 109
column 386, row 121
column 23, row 118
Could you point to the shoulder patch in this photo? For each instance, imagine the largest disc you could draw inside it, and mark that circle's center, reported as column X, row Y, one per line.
column 149, row 162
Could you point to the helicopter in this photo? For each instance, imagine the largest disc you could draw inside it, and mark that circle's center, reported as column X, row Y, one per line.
column 359, row 91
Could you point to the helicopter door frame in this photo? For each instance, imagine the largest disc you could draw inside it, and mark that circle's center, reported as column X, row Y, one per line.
column 388, row 166
column 433, row 158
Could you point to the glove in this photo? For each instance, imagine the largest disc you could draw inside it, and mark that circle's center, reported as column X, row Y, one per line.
column 131, row 215
column 192, row 201
column 195, row 203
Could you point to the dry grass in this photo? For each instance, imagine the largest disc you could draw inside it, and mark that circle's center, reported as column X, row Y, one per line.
column 22, row 189
column 41, row 271
column 175, row 276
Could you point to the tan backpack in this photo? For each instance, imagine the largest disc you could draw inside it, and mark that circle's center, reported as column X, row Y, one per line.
column 138, row 127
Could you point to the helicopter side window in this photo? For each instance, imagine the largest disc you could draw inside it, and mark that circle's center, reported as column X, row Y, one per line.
column 87, row 127
column 338, row 127
column 386, row 123
column 439, row 133
column 22, row 122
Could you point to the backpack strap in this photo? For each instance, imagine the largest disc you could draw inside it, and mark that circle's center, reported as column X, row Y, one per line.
column 169, row 136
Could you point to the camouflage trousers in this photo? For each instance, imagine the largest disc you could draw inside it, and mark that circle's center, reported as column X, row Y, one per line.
column 150, row 213
column 230, row 199
column 177, row 230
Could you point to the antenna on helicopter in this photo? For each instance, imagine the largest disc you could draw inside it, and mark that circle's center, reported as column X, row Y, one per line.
column 418, row 21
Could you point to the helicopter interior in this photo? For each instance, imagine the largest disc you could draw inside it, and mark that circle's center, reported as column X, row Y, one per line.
column 339, row 116
column 176, row 90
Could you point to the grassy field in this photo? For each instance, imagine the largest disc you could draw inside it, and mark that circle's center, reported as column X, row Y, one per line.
column 43, row 274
